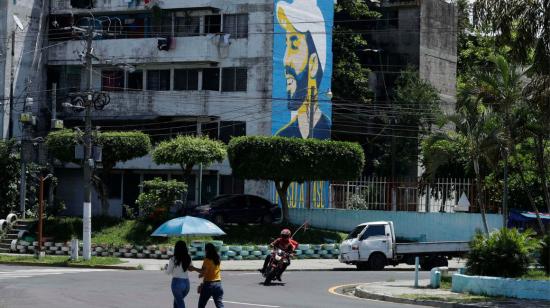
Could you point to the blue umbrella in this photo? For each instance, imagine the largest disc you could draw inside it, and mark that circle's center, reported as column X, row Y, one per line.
column 188, row 226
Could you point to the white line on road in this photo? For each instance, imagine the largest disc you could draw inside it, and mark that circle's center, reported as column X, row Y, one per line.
column 249, row 304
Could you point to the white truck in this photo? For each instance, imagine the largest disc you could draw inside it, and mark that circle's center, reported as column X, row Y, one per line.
column 372, row 246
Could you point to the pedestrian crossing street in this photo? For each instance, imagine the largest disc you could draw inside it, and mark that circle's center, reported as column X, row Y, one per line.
column 29, row 273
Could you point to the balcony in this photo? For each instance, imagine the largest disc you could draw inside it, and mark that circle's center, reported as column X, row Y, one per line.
column 84, row 6
column 399, row 3
column 196, row 49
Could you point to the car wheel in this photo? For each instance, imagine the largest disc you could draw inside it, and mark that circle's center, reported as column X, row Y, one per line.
column 267, row 219
column 377, row 262
column 219, row 220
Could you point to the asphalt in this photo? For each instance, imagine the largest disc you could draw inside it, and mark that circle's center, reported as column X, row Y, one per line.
column 297, row 265
column 55, row 287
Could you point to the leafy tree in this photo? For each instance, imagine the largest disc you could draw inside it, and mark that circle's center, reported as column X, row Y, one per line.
column 414, row 111
column 287, row 160
column 522, row 25
column 116, row 147
column 188, row 151
column 9, row 176
column 350, row 76
column 158, row 196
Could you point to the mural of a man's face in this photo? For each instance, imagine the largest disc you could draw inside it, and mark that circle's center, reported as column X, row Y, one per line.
column 300, row 61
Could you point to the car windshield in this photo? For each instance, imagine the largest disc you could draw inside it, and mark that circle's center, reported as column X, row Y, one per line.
column 355, row 232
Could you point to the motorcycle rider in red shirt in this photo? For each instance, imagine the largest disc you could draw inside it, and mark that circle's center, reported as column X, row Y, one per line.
column 284, row 243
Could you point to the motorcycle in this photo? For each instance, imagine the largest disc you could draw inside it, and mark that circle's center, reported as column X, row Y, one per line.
column 278, row 263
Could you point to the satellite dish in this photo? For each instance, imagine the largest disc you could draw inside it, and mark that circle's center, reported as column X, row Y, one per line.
column 18, row 22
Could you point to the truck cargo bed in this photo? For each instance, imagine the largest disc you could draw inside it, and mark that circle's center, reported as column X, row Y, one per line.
column 432, row 247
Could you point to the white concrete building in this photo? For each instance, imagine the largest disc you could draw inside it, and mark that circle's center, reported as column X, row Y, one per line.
column 214, row 76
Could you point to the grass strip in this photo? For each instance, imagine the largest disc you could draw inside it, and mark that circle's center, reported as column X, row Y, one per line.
column 60, row 260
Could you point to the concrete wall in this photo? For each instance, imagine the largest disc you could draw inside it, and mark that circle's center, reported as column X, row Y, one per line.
column 495, row 286
column 411, row 225
column 26, row 62
column 438, row 48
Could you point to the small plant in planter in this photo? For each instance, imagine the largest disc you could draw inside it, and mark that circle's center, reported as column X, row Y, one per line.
column 503, row 253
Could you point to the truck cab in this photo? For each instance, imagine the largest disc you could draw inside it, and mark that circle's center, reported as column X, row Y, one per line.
column 369, row 245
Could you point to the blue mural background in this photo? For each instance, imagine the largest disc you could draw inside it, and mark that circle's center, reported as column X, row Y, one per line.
column 281, row 114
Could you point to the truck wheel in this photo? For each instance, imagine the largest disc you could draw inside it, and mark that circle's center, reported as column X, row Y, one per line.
column 377, row 262
column 362, row 266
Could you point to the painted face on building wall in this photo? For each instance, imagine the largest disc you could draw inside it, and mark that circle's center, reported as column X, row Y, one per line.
column 302, row 71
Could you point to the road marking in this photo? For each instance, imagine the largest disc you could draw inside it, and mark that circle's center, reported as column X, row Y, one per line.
column 28, row 273
column 249, row 304
column 332, row 291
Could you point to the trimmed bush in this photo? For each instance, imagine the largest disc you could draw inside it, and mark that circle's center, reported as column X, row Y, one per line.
column 158, row 196
column 503, row 253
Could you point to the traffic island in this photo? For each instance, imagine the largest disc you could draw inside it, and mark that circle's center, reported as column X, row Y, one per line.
column 404, row 292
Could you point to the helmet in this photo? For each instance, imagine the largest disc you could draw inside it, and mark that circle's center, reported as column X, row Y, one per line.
column 285, row 233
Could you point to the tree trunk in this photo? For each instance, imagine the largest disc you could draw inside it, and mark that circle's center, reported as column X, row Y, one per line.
column 531, row 199
column 478, row 196
column 282, row 188
column 541, row 167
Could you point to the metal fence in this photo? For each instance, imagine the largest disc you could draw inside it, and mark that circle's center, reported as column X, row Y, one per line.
column 417, row 195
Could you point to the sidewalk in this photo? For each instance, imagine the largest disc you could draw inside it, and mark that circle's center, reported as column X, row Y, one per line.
column 404, row 292
column 296, row 265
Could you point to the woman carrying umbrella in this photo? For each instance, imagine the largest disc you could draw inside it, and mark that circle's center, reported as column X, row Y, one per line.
column 212, row 283
column 178, row 267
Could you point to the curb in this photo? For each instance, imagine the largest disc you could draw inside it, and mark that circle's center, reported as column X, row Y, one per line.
column 374, row 296
column 119, row 267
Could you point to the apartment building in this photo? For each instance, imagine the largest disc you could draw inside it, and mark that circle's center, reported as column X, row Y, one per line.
column 171, row 67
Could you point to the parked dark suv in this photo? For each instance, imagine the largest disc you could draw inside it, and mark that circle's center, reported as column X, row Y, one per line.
column 238, row 209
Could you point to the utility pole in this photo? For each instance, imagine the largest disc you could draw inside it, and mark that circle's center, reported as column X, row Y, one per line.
column 88, row 162
column 199, row 195
column 311, row 112
column 12, row 81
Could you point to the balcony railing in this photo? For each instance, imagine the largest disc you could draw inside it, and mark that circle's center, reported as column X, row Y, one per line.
column 74, row 6
column 199, row 49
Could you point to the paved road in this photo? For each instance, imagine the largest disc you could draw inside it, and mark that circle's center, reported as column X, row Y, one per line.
column 65, row 287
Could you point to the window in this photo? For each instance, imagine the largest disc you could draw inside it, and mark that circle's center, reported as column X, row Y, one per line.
column 73, row 78
column 236, row 25
column 210, row 129
column 211, row 79
column 230, row 129
column 186, row 79
column 355, row 232
column 112, row 80
column 212, row 23
column 158, row 80
column 234, row 79
column 162, row 25
column 114, row 183
column 134, row 26
column 231, row 185
column 135, row 80
column 187, row 25
column 374, row 230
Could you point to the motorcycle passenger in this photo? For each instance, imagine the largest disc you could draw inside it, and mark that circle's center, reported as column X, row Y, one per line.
column 285, row 243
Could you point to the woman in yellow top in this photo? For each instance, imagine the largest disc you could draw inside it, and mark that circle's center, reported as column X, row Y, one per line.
column 212, row 283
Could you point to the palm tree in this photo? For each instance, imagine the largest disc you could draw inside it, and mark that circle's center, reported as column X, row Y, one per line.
column 477, row 126
column 477, row 134
column 501, row 88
